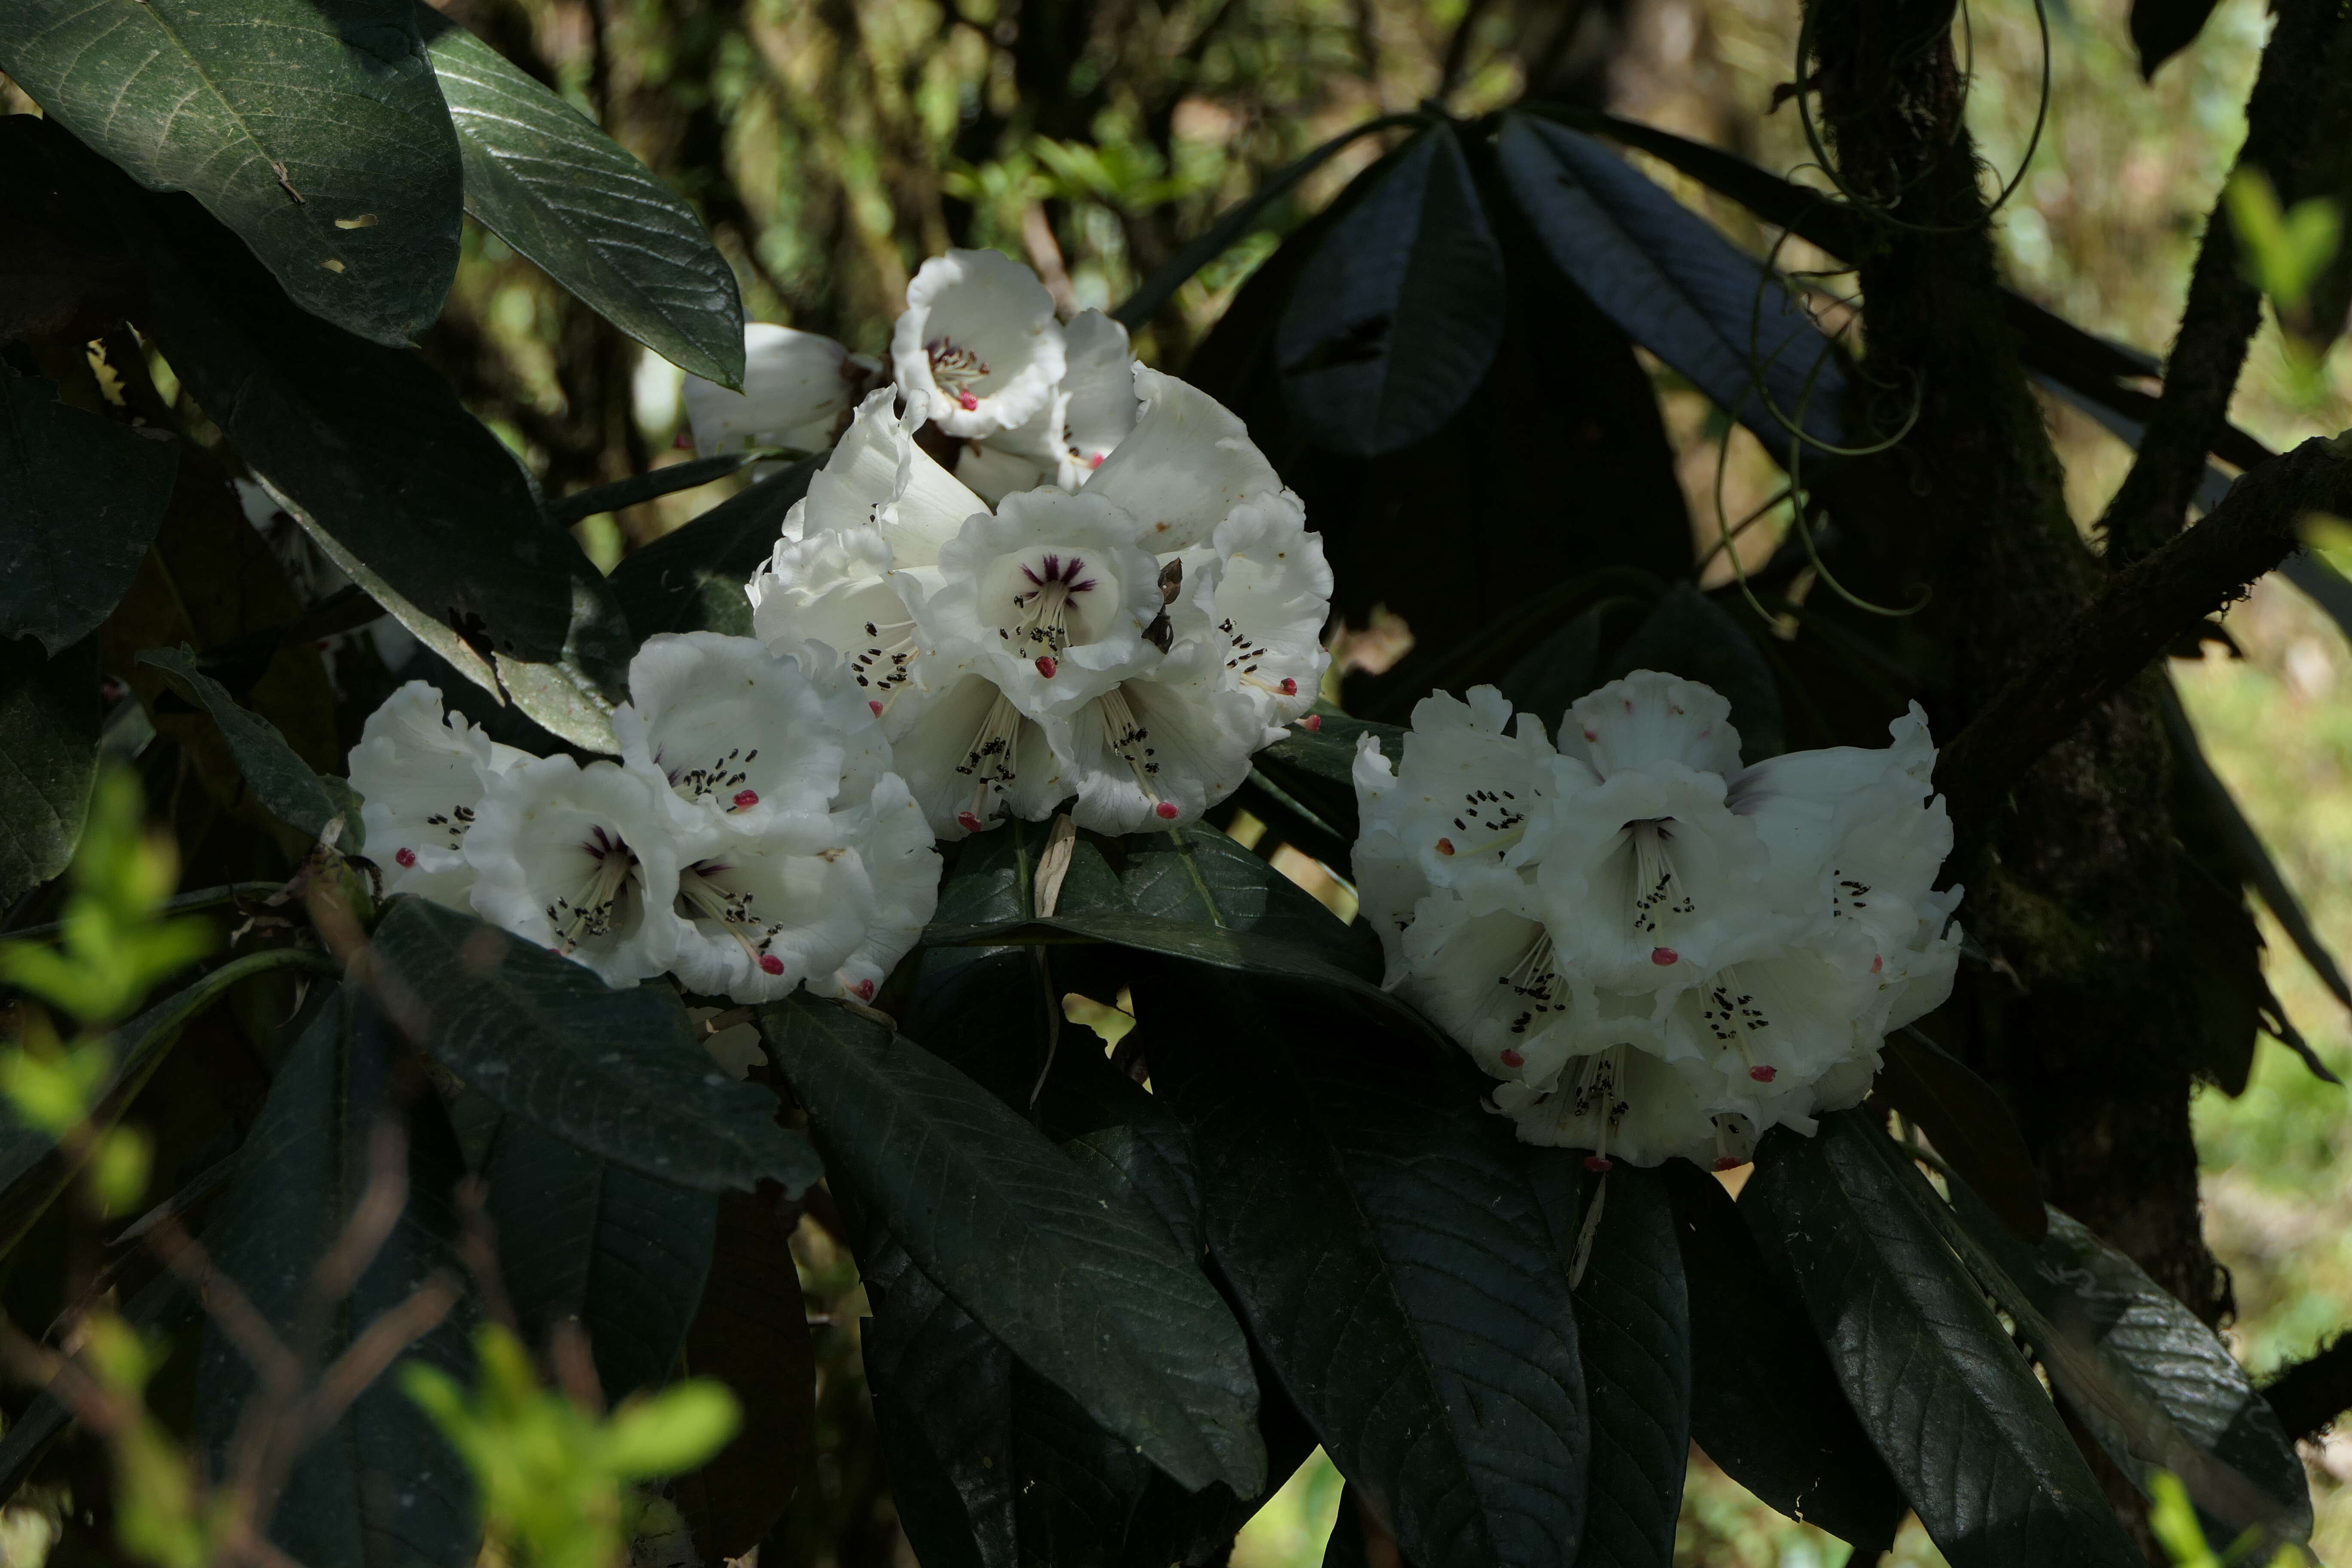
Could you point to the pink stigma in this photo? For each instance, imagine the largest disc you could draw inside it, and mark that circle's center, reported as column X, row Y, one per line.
column 1512, row 1058
column 1763, row 1075
column 1167, row 810
column 1592, row 734
column 876, row 706
column 865, row 989
column 966, row 400
column 406, row 856
column 1046, row 665
column 968, row 821
column 1877, row 963
column 746, row 797
column 1599, row 1163
column 1726, row 1162
column 770, row 965
column 1312, row 722
column 1289, row 687
column 1446, row 846
column 1661, row 956
column 1096, row 461
column 684, row 441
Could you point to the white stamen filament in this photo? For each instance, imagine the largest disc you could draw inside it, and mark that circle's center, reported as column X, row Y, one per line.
column 883, row 665
column 702, row 898
column 589, row 914
column 1131, row 741
column 1657, row 890
column 989, row 761
column 1537, row 985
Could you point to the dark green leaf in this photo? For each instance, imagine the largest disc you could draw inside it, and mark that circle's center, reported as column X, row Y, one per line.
column 645, row 486
column 2156, row 1387
column 2162, row 29
column 80, row 498
column 1633, row 1327
column 616, row 1073
column 1970, row 1124
column 1399, row 313
column 1952, row 1407
column 1395, row 1250
column 753, row 1334
column 312, row 128
column 1079, row 1279
column 281, row 781
column 1355, row 1530
column 48, row 733
column 1317, row 767
column 383, row 1486
column 543, row 178
column 34, row 1169
column 1237, row 221
column 370, row 442
column 1765, row 1403
column 586, row 1240
column 692, row 580
column 1675, row 285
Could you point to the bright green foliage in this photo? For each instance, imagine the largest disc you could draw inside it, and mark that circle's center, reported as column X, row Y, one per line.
column 112, row 947
column 551, row 1473
column 2286, row 249
column 158, row 1515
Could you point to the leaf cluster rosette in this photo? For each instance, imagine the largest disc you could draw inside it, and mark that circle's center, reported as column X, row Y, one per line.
column 1656, row 951
column 750, row 838
column 1111, row 596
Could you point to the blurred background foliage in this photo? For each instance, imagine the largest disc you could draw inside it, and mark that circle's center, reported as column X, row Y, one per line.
column 832, row 144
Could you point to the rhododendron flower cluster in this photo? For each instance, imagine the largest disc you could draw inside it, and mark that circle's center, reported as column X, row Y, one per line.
column 1109, row 596
column 750, row 838
column 1656, row 951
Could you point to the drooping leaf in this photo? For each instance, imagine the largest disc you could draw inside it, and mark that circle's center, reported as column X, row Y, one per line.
column 616, row 1252
column 1969, row 1123
column 753, row 1334
column 49, row 729
column 34, row 1169
column 640, row 488
column 2156, row 1387
column 369, row 441
column 1675, row 285
column 1633, row 1328
column 542, row 178
column 384, row 1485
column 80, row 496
column 2162, row 29
column 281, row 781
column 691, row 579
column 1397, row 316
column 1765, row 1403
column 1393, row 1249
column 616, row 1073
column 1076, row 1278
column 1951, row 1407
column 311, row 128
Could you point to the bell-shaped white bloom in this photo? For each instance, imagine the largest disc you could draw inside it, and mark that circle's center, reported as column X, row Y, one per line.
column 1185, row 467
column 797, row 392
column 878, row 478
column 979, row 341
column 1625, row 1104
column 1092, row 409
column 1658, row 953
column 420, row 775
column 975, row 757
column 584, row 862
column 802, row 858
column 1272, row 598
column 1163, row 745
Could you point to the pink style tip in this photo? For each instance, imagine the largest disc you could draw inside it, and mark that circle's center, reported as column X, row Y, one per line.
column 1289, row 687
column 770, row 965
column 1662, row 956
column 870, row 702
column 968, row 821
column 1726, row 1162
column 865, row 989
column 746, row 798
column 1763, row 1075
column 1512, row 1058
column 406, row 856
column 1599, row 1163
column 967, row 401
column 1167, row 810
column 1046, row 666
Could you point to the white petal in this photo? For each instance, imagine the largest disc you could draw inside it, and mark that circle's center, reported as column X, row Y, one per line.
column 1472, row 799
column 1648, row 717
column 1157, row 752
column 1185, row 467
column 597, row 846
column 796, row 388
column 732, row 727
column 769, row 906
column 1273, row 597
column 1098, row 401
column 974, row 757
column 1629, row 1106
column 994, row 469
column 878, row 478
column 1487, row 980
column 903, row 868
column 420, row 777
column 979, row 341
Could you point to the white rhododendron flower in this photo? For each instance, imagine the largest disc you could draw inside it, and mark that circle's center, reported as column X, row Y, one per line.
column 1130, row 636
column 979, row 342
column 1657, row 952
column 798, row 388
column 1093, row 408
column 420, row 776
column 751, row 838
